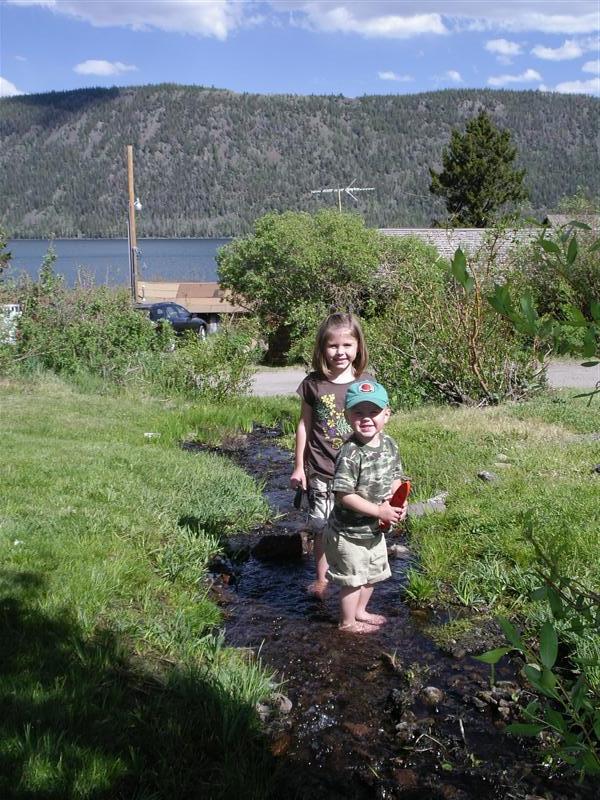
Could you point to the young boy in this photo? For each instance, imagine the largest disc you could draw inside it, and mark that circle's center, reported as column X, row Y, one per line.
column 368, row 471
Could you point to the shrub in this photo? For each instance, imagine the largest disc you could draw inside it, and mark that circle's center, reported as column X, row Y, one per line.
column 214, row 368
column 437, row 341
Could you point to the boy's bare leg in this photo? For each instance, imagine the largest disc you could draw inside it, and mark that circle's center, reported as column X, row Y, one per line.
column 349, row 600
column 321, row 583
column 362, row 615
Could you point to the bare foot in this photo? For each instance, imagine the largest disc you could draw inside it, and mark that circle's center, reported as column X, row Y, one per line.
column 357, row 627
column 372, row 619
column 318, row 588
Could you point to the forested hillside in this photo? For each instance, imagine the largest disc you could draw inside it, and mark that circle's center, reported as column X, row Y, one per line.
column 209, row 161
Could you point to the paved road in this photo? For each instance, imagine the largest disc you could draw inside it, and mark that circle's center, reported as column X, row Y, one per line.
column 561, row 375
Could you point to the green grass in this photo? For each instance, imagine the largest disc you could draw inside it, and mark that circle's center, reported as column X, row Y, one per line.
column 113, row 678
column 543, row 456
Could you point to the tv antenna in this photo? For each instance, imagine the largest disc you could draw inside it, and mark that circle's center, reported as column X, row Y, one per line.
column 349, row 190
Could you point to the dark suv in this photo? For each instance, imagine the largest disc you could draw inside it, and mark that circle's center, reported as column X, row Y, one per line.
column 178, row 316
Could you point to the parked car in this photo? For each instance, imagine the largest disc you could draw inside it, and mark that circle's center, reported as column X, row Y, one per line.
column 178, row 316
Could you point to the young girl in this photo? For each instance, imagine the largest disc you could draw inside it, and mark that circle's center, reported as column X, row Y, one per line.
column 339, row 358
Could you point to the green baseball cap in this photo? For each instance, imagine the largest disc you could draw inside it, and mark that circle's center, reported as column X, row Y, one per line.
column 366, row 392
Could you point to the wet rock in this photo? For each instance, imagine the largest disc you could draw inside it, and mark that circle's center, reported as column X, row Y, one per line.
column 479, row 703
column 392, row 662
column 279, row 547
column 434, row 504
column 281, row 744
column 406, row 778
column 358, row 729
column 276, row 705
column 489, row 477
column 431, row 696
column 399, row 551
column 406, row 731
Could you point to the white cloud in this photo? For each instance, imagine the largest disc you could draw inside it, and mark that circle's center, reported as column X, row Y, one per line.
column 592, row 86
column 391, row 19
column 388, row 75
column 528, row 76
column 216, row 18
column 8, row 89
column 502, row 47
column 568, row 50
column 403, row 18
column 94, row 66
column 453, row 75
column 592, row 66
column 341, row 19
column 20, row 58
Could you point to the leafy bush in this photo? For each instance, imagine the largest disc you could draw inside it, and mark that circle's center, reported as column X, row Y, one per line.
column 437, row 341
column 86, row 329
column 215, row 368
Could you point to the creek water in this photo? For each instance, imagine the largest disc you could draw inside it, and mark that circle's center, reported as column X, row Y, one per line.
column 364, row 721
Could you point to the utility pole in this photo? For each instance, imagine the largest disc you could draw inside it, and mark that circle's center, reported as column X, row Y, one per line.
column 131, row 234
column 349, row 190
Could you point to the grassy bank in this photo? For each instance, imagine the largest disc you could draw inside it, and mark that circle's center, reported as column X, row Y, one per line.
column 113, row 680
column 542, row 455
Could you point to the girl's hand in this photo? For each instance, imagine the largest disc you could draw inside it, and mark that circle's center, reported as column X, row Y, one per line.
column 298, row 478
column 403, row 511
column 390, row 515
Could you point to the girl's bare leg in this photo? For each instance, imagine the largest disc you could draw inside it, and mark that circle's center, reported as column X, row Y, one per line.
column 349, row 600
column 362, row 615
column 321, row 582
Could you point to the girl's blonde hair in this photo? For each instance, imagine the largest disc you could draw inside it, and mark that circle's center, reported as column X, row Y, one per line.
column 334, row 321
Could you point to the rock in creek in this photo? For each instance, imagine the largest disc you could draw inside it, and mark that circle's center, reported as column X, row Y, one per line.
column 280, row 547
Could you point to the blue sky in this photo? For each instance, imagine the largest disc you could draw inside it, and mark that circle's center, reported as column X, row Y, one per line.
column 349, row 47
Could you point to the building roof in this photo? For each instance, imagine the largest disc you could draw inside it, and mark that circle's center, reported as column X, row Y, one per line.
column 198, row 298
column 448, row 240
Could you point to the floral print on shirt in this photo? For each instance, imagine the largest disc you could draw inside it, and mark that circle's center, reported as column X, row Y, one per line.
column 333, row 422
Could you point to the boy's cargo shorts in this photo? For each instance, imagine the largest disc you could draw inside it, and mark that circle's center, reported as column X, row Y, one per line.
column 320, row 503
column 355, row 562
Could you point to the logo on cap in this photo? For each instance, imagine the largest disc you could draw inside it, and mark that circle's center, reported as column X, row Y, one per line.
column 366, row 387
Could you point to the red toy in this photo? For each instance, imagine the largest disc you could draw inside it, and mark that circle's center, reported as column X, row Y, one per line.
column 398, row 499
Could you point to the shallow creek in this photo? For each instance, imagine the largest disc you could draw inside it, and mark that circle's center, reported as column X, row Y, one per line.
column 383, row 715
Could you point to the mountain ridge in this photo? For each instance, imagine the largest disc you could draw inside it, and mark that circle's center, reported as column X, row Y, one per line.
column 208, row 161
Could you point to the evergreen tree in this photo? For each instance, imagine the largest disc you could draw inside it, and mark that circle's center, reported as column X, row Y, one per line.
column 478, row 178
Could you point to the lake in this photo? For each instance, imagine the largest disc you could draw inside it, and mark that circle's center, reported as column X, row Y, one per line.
column 108, row 262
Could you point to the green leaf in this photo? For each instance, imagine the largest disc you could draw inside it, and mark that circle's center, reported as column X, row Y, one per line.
column 548, row 645
column 511, row 633
column 539, row 594
column 595, row 309
column 595, row 246
column 555, row 603
column 575, row 223
column 589, row 343
column 532, row 673
column 548, row 679
column 590, row 363
column 493, row 656
column 555, row 719
column 524, row 729
column 550, row 247
column 459, row 270
column 572, row 250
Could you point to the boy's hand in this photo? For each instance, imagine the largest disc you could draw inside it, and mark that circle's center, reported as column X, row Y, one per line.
column 390, row 515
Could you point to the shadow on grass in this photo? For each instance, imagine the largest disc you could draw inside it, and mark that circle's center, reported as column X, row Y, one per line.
column 81, row 720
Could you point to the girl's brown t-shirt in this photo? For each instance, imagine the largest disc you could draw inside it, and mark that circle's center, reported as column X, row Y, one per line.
column 329, row 428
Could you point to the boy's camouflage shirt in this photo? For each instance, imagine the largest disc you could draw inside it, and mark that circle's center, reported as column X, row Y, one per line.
column 368, row 472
